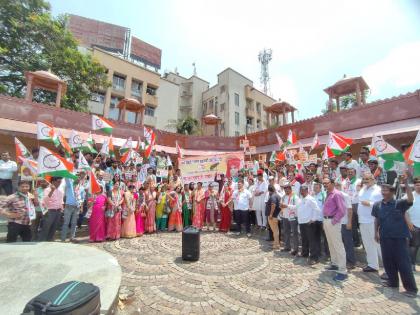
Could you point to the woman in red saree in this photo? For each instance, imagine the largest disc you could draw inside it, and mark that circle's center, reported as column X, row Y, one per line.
column 199, row 206
column 113, row 214
column 175, row 217
column 225, row 208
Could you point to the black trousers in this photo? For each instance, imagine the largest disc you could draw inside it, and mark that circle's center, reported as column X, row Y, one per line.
column 270, row 232
column 396, row 259
column 311, row 239
column 50, row 223
column 15, row 229
column 36, row 225
column 252, row 217
column 242, row 217
column 6, row 187
column 355, row 226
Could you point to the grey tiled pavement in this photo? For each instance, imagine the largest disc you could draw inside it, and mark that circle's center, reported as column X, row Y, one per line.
column 237, row 275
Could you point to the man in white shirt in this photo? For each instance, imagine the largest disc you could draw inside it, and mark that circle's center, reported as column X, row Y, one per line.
column 368, row 195
column 288, row 214
column 351, row 186
column 350, row 163
column 310, row 229
column 242, row 201
column 346, row 229
column 7, row 170
column 413, row 221
column 291, row 177
column 320, row 196
column 260, row 191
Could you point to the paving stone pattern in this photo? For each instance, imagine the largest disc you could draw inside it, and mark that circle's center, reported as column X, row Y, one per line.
column 237, row 275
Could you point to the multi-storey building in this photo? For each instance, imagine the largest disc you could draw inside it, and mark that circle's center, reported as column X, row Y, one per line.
column 190, row 94
column 239, row 105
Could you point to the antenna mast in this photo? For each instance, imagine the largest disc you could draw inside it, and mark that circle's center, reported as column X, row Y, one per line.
column 264, row 57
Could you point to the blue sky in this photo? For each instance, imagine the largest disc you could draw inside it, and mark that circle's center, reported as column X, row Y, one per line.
column 314, row 42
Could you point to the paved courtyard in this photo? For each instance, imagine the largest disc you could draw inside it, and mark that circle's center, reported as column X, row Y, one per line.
column 237, row 275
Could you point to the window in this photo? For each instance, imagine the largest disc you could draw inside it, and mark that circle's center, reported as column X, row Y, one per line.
column 222, row 107
column 259, row 108
column 222, row 89
column 237, row 133
column 258, row 124
column 118, row 82
column 114, row 111
column 151, row 90
column 149, row 111
column 236, row 99
column 236, row 118
column 97, row 97
column 136, row 87
column 131, row 117
column 205, row 107
column 211, row 102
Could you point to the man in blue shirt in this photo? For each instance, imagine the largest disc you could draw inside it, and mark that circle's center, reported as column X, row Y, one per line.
column 71, row 211
column 392, row 233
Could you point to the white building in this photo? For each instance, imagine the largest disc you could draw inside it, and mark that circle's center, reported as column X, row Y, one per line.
column 237, row 103
column 167, row 111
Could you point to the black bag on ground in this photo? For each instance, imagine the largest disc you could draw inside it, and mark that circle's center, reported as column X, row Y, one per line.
column 191, row 244
column 70, row 298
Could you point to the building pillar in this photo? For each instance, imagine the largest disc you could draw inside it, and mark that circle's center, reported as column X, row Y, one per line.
column 358, row 98
column 284, row 116
column 337, row 101
column 330, row 103
column 28, row 95
column 107, row 101
column 142, row 118
column 293, row 116
column 58, row 98
column 254, row 120
column 363, row 98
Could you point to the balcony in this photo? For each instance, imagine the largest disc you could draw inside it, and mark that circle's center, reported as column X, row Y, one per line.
column 186, row 93
column 150, row 120
column 250, row 112
column 151, row 100
column 249, row 92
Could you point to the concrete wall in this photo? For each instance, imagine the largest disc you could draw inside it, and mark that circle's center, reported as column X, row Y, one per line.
column 167, row 111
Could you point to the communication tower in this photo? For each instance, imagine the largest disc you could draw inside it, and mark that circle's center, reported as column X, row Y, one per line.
column 264, row 57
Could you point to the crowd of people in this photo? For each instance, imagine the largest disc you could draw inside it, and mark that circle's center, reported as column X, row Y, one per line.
column 327, row 208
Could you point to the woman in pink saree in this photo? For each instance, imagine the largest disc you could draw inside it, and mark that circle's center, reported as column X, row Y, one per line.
column 199, row 206
column 150, row 207
column 140, row 212
column 97, row 218
column 128, row 228
column 175, row 217
column 113, row 214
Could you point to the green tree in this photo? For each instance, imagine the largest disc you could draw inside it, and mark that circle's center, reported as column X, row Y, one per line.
column 31, row 39
column 346, row 102
column 187, row 126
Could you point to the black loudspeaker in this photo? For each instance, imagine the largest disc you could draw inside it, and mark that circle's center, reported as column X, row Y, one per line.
column 191, row 244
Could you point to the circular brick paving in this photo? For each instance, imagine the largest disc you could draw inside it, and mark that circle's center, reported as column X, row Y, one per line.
column 237, row 275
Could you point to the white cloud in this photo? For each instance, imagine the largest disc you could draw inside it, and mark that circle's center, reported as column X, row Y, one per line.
column 400, row 68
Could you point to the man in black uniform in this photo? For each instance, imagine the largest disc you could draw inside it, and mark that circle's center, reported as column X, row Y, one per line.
column 392, row 233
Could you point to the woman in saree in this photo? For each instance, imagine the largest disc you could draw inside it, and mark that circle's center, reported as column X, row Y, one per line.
column 140, row 213
column 97, row 218
column 150, row 207
column 161, row 215
column 128, row 228
column 175, row 204
column 199, row 206
column 113, row 214
column 187, row 204
column 225, row 207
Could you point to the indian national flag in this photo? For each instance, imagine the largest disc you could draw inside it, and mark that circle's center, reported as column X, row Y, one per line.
column 52, row 164
column 279, row 141
column 291, row 137
column 415, row 155
column 65, row 145
column 327, row 153
column 315, row 142
column 407, row 155
column 90, row 139
column 46, row 132
column 94, row 187
column 178, row 150
column 127, row 156
column 108, row 148
column 21, row 150
column 150, row 139
column 386, row 152
column 281, row 156
column 128, row 145
column 273, row 157
column 100, row 123
column 82, row 164
column 338, row 144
